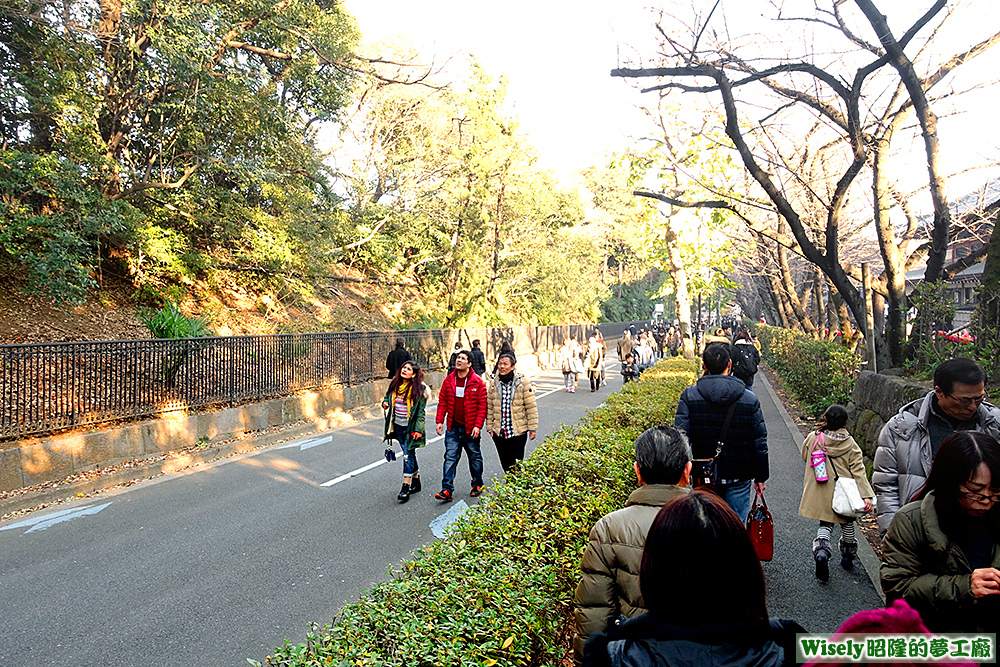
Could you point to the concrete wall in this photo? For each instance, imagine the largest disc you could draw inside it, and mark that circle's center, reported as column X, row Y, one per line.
column 37, row 460
column 876, row 399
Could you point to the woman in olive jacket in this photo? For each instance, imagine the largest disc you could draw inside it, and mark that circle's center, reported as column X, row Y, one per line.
column 511, row 411
column 405, row 404
column 942, row 551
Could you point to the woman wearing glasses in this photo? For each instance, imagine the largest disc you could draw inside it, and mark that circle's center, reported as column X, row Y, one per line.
column 942, row 551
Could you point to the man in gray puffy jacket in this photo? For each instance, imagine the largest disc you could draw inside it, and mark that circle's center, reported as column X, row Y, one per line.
column 909, row 441
column 609, row 586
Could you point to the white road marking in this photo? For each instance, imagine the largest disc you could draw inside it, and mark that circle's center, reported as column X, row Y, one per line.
column 309, row 443
column 370, row 466
column 46, row 520
column 439, row 526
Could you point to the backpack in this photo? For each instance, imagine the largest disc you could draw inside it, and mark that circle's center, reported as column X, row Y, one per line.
column 744, row 363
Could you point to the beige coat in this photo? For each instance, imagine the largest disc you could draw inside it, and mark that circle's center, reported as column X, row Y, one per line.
column 609, row 584
column 523, row 411
column 843, row 456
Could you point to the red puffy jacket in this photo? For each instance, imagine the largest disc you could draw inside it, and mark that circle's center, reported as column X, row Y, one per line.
column 475, row 401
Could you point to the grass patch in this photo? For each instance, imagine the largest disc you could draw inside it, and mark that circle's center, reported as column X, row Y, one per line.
column 499, row 589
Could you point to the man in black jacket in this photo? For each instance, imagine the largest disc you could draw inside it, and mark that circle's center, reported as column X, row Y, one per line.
column 701, row 413
column 397, row 358
column 478, row 359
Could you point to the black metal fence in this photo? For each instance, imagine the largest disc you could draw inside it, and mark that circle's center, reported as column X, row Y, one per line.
column 54, row 386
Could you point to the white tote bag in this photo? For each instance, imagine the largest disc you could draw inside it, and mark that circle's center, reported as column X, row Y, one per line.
column 847, row 500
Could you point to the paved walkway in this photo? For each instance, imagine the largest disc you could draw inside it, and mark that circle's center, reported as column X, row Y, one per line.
column 792, row 589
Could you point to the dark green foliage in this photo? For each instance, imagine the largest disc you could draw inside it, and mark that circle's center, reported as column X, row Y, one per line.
column 53, row 223
column 633, row 301
column 818, row 373
column 499, row 589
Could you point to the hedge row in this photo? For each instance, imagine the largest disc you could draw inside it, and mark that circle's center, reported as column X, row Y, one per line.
column 817, row 373
column 499, row 589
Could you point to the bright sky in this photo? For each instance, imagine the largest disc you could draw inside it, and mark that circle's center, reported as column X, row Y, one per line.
column 558, row 55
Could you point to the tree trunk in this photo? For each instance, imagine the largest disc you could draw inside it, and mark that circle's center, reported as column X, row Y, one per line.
column 818, row 295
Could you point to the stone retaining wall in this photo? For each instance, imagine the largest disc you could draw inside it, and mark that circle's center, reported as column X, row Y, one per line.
column 37, row 460
column 876, row 399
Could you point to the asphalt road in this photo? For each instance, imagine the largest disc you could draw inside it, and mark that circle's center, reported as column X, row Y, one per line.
column 226, row 562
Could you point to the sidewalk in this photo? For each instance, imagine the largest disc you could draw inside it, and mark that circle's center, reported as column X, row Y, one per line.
column 793, row 591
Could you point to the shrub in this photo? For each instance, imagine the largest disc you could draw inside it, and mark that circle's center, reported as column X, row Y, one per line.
column 816, row 372
column 170, row 322
column 499, row 588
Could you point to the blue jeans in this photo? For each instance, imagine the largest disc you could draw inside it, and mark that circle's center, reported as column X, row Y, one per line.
column 455, row 440
column 399, row 434
column 737, row 496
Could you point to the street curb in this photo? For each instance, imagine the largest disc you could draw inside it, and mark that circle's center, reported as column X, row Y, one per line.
column 178, row 462
column 866, row 554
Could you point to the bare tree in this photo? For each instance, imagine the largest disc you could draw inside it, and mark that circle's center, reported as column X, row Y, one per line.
column 861, row 108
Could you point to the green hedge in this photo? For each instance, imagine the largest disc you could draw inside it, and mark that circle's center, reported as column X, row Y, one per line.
column 817, row 373
column 499, row 589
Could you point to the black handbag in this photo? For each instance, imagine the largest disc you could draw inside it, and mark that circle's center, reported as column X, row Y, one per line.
column 704, row 472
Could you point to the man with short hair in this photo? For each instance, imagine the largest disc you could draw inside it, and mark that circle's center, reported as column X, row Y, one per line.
column 610, row 566
column 625, row 345
column 910, row 439
column 462, row 408
column 701, row 414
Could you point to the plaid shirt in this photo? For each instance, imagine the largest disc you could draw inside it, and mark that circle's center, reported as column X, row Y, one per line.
column 506, row 400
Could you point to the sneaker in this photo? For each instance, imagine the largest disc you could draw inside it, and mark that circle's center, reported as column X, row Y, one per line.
column 822, row 568
column 404, row 493
column 476, row 491
column 443, row 494
column 415, row 484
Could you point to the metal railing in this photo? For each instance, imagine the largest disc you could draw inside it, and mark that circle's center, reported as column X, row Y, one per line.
column 55, row 386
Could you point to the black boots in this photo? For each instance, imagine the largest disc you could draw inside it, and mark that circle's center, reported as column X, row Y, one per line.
column 821, row 552
column 848, row 552
column 412, row 487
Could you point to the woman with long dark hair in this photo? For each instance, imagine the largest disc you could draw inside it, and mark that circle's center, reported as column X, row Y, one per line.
column 405, row 403
column 942, row 551
column 704, row 588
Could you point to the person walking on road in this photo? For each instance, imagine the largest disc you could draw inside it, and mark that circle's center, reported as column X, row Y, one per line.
column 566, row 359
column 625, row 345
column 746, row 357
column 478, row 359
column 405, row 404
column 511, row 412
column 576, row 360
column 595, row 363
column 942, row 551
column 462, row 409
column 610, row 567
column 702, row 412
column 396, row 358
column 843, row 458
column 451, row 360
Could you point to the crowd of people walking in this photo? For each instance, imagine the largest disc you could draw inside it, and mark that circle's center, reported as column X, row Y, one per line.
column 654, row 572
column 933, row 485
